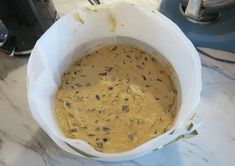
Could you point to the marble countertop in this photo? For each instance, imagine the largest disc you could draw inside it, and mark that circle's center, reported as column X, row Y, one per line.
column 22, row 142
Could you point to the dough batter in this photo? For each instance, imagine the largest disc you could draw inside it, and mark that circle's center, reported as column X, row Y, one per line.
column 116, row 98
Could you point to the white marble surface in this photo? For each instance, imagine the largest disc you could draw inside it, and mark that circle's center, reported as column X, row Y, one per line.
column 23, row 143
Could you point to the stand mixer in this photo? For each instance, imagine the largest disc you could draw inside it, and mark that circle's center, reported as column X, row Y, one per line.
column 207, row 23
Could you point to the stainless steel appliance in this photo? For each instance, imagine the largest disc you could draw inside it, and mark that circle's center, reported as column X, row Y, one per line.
column 22, row 22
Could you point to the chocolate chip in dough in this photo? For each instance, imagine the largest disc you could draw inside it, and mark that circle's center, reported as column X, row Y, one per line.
column 125, row 108
column 103, row 74
column 106, row 128
column 131, row 136
column 128, row 56
column 110, row 88
column 144, row 77
column 164, row 130
column 97, row 129
column 68, row 104
column 105, row 139
column 73, row 130
column 114, row 48
column 88, row 84
column 158, row 79
column 99, row 145
column 97, row 97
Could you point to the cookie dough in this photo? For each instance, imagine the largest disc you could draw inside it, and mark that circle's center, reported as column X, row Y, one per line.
column 116, row 98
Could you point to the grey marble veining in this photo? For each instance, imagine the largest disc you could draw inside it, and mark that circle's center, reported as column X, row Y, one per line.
column 22, row 142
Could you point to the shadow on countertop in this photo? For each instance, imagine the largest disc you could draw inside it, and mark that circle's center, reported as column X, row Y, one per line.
column 7, row 63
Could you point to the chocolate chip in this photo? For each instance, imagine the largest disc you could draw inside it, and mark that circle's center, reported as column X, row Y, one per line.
column 68, row 104
column 138, row 66
column 106, row 128
column 78, row 85
column 88, row 84
column 110, row 88
column 99, row 145
column 125, row 108
column 114, row 48
column 131, row 136
column 103, row 74
column 145, row 58
column 97, row 129
column 73, row 130
column 105, row 139
column 144, row 77
column 108, row 69
column 164, row 130
column 97, row 97
column 157, row 98
column 159, row 80
column 71, row 115
column 91, row 135
column 128, row 56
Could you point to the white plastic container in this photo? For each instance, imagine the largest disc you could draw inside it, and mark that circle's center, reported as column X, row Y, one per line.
column 121, row 22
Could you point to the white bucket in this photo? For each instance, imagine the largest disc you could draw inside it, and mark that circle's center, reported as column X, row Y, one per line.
column 84, row 29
